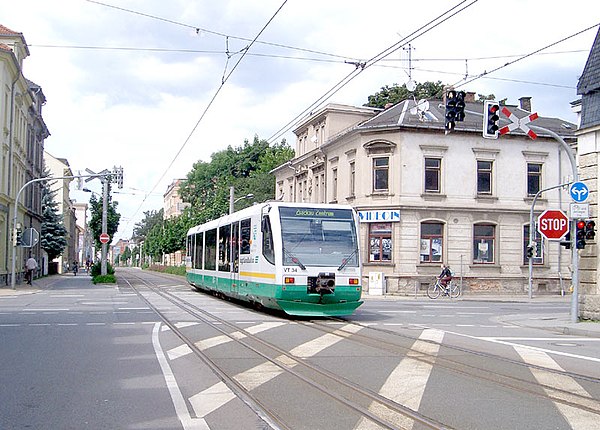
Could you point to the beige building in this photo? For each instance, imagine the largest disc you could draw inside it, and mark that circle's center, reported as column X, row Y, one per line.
column 588, row 147
column 425, row 197
column 59, row 167
column 22, row 134
column 173, row 207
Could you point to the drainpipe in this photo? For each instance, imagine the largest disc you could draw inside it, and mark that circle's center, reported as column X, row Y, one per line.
column 10, row 161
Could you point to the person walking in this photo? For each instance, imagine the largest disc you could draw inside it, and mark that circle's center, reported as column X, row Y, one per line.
column 31, row 266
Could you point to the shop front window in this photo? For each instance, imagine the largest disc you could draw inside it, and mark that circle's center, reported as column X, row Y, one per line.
column 380, row 242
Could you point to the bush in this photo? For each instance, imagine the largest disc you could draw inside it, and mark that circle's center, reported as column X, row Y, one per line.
column 172, row 270
column 97, row 269
column 106, row 279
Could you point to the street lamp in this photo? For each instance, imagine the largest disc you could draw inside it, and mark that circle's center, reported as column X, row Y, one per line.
column 233, row 200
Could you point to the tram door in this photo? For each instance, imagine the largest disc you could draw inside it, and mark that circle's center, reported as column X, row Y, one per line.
column 235, row 258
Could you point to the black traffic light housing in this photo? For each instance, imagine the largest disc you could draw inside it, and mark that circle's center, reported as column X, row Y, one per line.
column 590, row 232
column 491, row 116
column 455, row 108
column 580, row 237
column 566, row 242
column 532, row 249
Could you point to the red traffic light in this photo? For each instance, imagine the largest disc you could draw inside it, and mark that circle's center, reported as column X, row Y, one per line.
column 580, row 224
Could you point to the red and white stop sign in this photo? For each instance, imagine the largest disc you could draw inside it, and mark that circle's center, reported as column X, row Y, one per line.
column 104, row 238
column 553, row 224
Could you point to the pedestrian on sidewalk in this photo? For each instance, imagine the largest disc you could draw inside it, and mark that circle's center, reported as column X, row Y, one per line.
column 31, row 266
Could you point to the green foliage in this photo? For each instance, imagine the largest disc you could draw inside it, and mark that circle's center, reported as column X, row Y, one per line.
column 173, row 270
column 95, row 223
column 97, row 269
column 125, row 256
column 106, row 279
column 141, row 229
column 53, row 233
column 397, row 93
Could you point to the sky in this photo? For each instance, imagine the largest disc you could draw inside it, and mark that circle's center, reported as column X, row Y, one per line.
column 155, row 86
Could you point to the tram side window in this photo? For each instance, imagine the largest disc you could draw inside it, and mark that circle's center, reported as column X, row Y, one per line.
column 224, row 248
column 210, row 250
column 268, row 248
column 198, row 249
column 245, row 236
column 189, row 244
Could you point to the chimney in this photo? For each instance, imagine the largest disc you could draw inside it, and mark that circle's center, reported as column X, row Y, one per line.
column 525, row 103
column 470, row 97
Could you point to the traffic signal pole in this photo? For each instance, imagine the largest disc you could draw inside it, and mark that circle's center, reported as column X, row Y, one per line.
column 13, row 265
column 574, row 256
column 532, row 233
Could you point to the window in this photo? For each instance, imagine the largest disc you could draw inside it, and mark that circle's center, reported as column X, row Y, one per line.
column 534, row 178
column 198, row 250
column 380, row 174
column 245, row 237
column 538, row 258
column 380, row 242
column 483, row 243
column 268, row 247
column 431, row 242
column 224, row 248
column 352, row 178
column 210, row 250
column 433, row 168
column 335, row 181
column 484, row 177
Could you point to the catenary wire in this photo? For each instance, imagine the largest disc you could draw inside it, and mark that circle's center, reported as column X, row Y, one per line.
column 206, row 109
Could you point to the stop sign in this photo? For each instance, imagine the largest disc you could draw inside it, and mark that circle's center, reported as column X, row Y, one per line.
column 553, row 224
column 104, row 238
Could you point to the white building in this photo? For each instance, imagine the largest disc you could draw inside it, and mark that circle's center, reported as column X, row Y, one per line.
column 426, row 198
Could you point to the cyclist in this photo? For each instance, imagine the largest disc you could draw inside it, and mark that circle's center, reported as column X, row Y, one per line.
column 445, row 277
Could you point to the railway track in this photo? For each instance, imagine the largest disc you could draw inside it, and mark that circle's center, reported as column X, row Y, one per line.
column 376, row 410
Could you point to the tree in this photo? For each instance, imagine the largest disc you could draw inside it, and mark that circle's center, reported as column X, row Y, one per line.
column 246, row 168
column 53, row 237
column 141, row 229
column 112, row 218
column 395, row 93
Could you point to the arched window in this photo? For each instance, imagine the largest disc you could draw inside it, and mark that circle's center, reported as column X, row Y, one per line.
column 432, row 242
column 484, row 241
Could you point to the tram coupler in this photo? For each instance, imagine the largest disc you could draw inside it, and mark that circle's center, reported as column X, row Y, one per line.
column 324, row 283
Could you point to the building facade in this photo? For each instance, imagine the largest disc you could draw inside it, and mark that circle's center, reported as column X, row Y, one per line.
column 22, row 135
column 588, row 148
column 427, row 198
column 59, row 167
column 173, row 207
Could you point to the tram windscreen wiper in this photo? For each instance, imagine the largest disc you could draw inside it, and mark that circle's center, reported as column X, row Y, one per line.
column 294, row 259
column 347, row 259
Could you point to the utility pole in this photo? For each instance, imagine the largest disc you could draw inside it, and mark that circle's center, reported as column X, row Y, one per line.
column 105, row 185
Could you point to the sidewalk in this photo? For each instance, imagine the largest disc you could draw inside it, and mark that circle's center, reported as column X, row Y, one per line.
column 38, row 284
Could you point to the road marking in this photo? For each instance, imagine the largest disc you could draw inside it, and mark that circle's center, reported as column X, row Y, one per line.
column 406, row 383
column 577, row 418
column 179, row 351
column 211, row 399
column 183, row 414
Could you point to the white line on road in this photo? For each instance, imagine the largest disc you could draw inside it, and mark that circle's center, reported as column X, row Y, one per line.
column 183, row 414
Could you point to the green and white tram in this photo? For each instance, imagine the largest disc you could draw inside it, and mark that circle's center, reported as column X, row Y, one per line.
column 302, row 259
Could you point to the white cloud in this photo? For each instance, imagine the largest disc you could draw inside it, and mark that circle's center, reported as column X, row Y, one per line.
column 137, row 108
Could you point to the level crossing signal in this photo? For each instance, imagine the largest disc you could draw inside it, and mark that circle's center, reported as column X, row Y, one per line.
column 491, row 116
column 455, row 108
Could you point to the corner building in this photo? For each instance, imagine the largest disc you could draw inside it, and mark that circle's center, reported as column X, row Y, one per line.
column 425, row 197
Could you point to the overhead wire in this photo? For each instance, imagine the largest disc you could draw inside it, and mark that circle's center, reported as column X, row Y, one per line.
column 206, row 109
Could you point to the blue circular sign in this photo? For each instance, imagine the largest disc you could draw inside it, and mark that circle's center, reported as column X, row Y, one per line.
column 579, row 192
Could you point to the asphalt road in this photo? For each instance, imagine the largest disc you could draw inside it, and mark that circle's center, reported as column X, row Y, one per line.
column 77, row 356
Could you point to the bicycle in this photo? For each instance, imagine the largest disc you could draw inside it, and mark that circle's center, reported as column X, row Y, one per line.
column 436, row 289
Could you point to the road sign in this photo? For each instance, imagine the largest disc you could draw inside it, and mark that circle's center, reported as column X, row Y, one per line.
column 30, row 237
column 104, row 238
column 517, row 122
column 579, row 192
column 553, row 224
column 580, row 210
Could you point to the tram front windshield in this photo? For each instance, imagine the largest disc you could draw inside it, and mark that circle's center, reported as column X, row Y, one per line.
column 318, row 237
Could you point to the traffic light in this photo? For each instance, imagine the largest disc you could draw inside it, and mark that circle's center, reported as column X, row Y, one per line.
column 590, row 233
column 532, row 249
column 18, row 235
column 580, row 237
column 566, row 242
column 491, row 111
column 455, row 108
